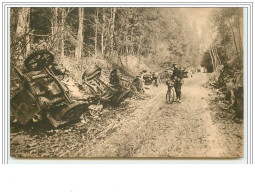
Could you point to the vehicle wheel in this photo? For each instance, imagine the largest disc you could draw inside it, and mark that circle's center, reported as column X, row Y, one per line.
column 74, row 111
column 38, row 59
column 170, row 96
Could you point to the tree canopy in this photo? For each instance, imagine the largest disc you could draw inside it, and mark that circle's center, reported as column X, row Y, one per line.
column 162, row 35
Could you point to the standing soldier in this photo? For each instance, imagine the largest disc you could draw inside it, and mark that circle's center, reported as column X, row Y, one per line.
column 155, row 79
column 177, row 77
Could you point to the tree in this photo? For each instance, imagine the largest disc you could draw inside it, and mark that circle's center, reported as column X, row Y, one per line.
column 103, row 31
column 23, row 30
column 227, row 23
column 96, row 32
column 62, row 41
column 79, row 47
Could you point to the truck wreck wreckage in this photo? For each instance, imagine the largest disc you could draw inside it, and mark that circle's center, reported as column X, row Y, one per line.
column 43, row 96
column 107, row 93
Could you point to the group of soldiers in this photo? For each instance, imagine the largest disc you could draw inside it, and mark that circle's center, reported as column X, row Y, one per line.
column 176, row 77
column 116, row 81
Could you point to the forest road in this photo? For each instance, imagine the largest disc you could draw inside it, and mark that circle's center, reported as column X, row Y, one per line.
column 158, row 129
column 142, row 128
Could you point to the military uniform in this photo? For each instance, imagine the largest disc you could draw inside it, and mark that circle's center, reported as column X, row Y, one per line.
column 177, row 73
column 115, row 79
column 177, row 77
column 155, row 79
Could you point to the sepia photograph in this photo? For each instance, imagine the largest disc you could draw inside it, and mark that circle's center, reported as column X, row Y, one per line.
column 126, row 82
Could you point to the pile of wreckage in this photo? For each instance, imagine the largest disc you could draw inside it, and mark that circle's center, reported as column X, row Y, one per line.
column 44, row 95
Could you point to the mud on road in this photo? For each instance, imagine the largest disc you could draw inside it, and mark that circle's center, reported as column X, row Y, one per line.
column 144, row 127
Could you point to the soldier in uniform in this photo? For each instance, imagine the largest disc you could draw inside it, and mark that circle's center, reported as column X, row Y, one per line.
column 115, row 79
column 177, row 77
column 155, row 78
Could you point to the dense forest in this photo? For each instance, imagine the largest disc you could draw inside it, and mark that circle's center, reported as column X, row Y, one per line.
column 133, row 39
column 225, row 55
column 153, row 36
column 227, row 25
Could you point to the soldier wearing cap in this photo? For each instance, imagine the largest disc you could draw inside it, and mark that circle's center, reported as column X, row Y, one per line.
column 177, row 77
column 176, row 72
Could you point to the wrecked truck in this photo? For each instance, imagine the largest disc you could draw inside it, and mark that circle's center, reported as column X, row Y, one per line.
column 107, row 93
column 42, row 95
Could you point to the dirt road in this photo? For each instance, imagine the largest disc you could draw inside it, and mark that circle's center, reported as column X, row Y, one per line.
column 145, row 128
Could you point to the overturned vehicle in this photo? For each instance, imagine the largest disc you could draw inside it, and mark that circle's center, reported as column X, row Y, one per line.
column 113, row 93
column 43, row 96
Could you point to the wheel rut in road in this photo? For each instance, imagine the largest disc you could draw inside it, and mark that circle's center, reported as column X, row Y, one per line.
column 158, row 129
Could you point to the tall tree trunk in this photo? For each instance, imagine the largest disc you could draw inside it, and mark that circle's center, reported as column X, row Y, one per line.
column 113, row 11
column 102, row 34
column 54, row 22
column 234, row 38
column 28, row 36
column 216, row 60
column 131, row 41
column 96, row 32
column 224, row 45
column 22, row 30
column 240, row 38
column 54, row 29
column 62, row 41
column 79, row 47
column 210, row 51
column 217, row 55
